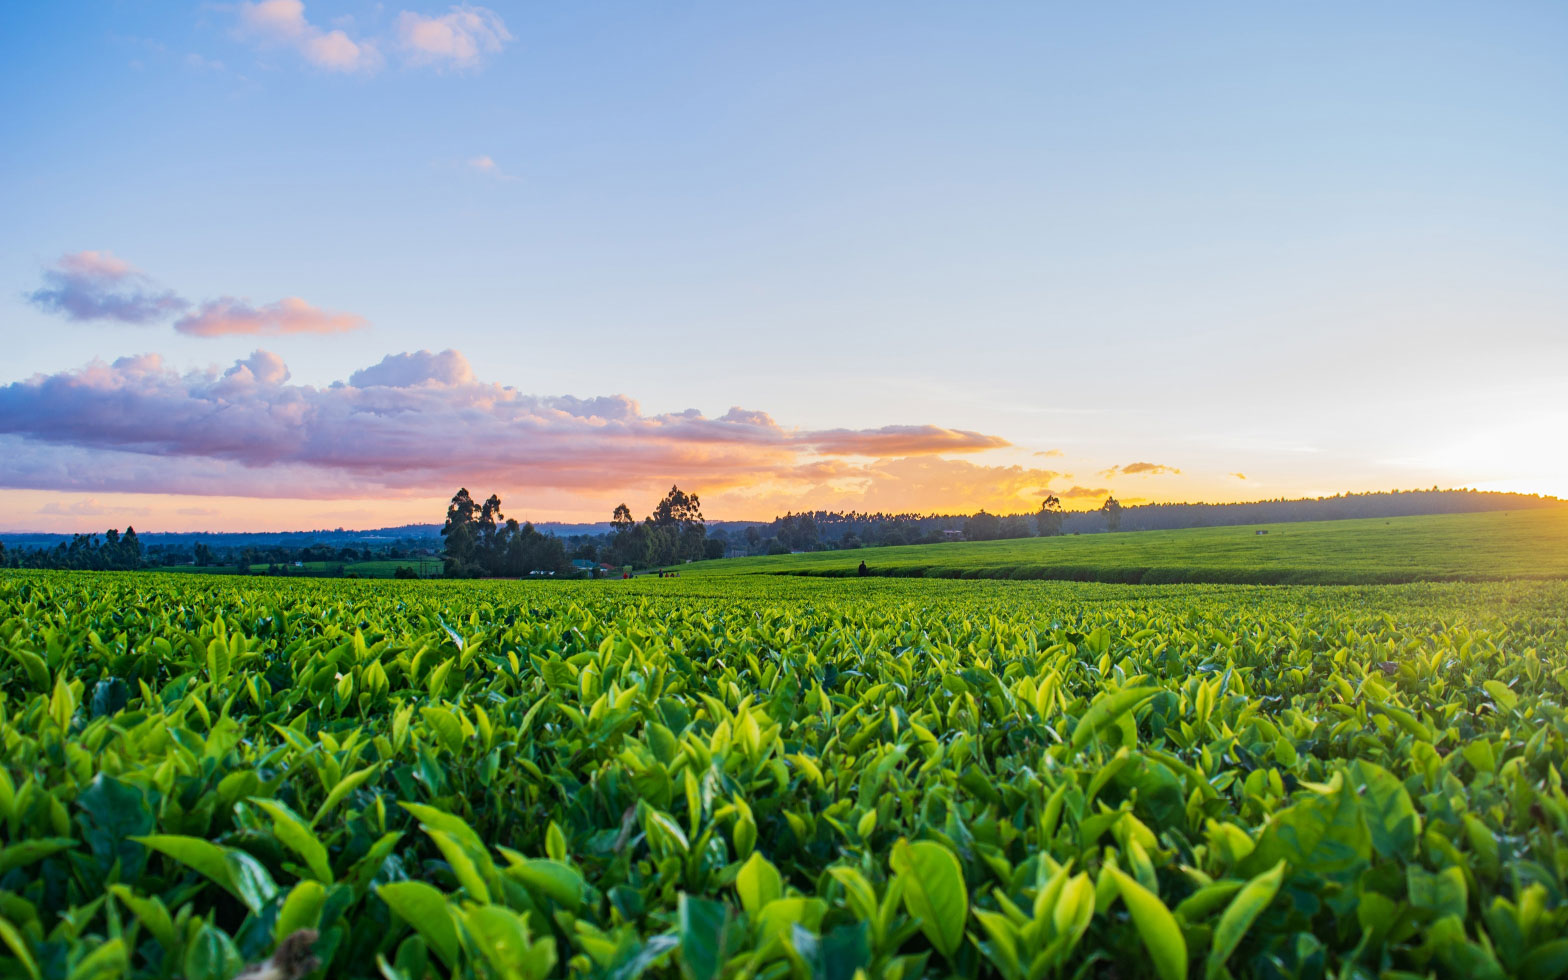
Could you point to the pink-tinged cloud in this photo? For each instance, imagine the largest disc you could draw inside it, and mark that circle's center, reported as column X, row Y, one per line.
column 283, row 23
column 414, row 422
column 226, row 316
column 416, row 368
column 487, row 166
column 459, row 38
column 102, row 286
column 903, row 440
column 1135, row 469
column 85, row 508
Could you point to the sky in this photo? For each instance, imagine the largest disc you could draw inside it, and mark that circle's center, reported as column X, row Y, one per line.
column 282, row 265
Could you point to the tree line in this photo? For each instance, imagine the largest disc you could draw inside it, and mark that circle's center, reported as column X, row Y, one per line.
column 481, row 542
column 833, row 530
column 126, row 552
column 84, row 552
column 673, row 533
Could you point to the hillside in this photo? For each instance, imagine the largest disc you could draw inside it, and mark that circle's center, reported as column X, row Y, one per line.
column 1448, row 547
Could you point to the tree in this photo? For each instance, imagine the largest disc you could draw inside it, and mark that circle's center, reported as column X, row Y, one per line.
column 480, row 540
column 678, row 508
column 1112, row 509
column 131, row 548
column 459, row 532
column 799, row 532
column 1048, row 520
column 1015, row 526
column 679, row 515
column 622, row 519
column 982, row 527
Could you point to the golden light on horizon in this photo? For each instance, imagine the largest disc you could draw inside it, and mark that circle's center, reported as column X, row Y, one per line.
column 1524, row 455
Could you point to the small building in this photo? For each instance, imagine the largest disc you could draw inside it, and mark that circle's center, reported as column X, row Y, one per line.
column 952, row 535
column 1260, row 532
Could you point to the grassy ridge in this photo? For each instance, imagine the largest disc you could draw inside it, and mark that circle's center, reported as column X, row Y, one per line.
column 1444, row 547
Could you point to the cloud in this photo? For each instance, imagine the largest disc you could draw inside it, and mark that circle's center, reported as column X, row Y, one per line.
column 903, row 440
column 418, row 368
column 487, row 166
column 1077, row 493
column 261, row 367
column 459, row 38
column 423, row 422
column 225, row 316
column 197, row 511
column 85, row 508
column 1239, row 476
column 101, row 286
column 933, row 483
column 1050, row 452
column 1135, row 469
column 283, row 23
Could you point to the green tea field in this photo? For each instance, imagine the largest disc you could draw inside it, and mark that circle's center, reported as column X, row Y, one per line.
column 778, row 777
column 1526, row 544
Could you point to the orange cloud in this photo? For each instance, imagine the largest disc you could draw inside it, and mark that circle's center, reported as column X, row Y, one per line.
column 1134, row 469
column 923, row 484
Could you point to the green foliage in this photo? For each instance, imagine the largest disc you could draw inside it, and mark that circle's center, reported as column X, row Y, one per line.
column 766, row 778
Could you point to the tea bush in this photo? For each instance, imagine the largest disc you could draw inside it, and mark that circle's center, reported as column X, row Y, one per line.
column 768, row 778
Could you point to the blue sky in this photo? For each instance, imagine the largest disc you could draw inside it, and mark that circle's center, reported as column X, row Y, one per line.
column 1319, row 245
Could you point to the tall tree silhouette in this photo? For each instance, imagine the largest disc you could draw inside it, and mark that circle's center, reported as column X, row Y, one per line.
column 1112, row 509
column 1048, row 520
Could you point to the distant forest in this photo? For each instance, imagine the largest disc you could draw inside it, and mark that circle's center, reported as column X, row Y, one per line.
column 478, row 541
column 834, row 530
column 821, row 530
column 122, row 552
